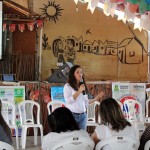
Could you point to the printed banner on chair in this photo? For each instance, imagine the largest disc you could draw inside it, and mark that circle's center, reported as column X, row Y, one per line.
column 135, row 91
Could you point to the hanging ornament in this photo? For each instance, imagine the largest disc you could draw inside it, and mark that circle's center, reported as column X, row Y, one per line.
column 39, row 23
column 4, row 26
column 132, row 7
column 21, row 27
column 30, row 26
column 12, row 27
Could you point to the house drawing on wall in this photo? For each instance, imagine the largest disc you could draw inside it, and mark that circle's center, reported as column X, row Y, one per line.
column 125, row 54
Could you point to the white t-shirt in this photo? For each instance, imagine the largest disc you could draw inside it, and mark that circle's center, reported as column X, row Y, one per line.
column 52, row 137
column 104, row 131
column 77, row 106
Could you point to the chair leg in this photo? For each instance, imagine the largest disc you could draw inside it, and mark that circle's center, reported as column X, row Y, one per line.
column 17, row 139
column 41, row 129
column 35, row 135
column 23, row 136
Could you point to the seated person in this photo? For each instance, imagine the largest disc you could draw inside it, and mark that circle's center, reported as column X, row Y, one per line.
column 113, row 122
column 62, row 124
column 5, row 132
column 144, row 138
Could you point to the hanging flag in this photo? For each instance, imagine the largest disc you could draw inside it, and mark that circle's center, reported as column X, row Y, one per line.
column 21, row 27
column 39, row 23
column 4, row 26
column 30, row 26
column 12, row 27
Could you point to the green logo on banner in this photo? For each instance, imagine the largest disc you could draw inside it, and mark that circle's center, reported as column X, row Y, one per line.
column 18, row 93
column 116, row 88
column 2, row 93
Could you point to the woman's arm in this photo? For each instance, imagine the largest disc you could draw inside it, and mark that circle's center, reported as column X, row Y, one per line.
column 80, row 90
column 97, row 98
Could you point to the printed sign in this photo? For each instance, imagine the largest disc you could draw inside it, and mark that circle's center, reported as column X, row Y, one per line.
column 57, row 93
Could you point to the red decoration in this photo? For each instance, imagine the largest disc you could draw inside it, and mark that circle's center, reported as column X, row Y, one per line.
column 12, row 27
column 21, row 27
column 30, row 26
column 132, row 7
column 4, row 26
column 39, row 23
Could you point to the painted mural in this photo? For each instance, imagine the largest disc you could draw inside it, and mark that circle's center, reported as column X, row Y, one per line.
column 68, row 47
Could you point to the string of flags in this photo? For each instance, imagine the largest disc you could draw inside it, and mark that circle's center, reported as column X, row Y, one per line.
column 136, row 11
column 22, row 26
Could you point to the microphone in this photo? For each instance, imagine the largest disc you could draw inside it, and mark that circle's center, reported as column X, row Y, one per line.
column 82, row 82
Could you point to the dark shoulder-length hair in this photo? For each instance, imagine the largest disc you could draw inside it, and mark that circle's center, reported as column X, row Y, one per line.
column 71, row 78
column 111, row 114
column 62, row 120
column 3, row 124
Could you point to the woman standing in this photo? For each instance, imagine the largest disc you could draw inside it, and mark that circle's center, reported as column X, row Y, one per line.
column 75, row 96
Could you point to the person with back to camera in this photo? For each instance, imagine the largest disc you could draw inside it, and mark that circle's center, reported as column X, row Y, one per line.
column 5, row 132
column 75, row 96
column 144, row 138
column 62, row 125
column 113, row 122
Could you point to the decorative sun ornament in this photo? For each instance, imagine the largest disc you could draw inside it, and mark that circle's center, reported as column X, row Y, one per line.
column 52, row 11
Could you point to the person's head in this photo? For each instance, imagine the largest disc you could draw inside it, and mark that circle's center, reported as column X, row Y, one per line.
column 75, row 76
column 111, row 114
column 62, row 120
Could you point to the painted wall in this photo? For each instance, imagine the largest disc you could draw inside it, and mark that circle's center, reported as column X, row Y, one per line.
column 104, row 47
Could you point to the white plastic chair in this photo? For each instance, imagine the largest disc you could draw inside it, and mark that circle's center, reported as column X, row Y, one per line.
column 119, row 143
column 52, row 105
column 91, row 114
column 147, row 118
column 5, row 146
column 26, row 111
column 73, row 143
column 147, row 145
column 133, row 115
column 9, row 115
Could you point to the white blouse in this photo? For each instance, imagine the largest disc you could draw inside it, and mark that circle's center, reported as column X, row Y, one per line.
column 78, row 105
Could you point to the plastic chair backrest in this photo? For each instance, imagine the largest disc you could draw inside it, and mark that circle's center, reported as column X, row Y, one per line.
column 91, row 112
column 5, row 146
column 26, row 111
column 119, row 143
column 147, row 107
column 8, row 112
column 133, row 109
column 52, row 105
column 73, row 143
column 147, row 145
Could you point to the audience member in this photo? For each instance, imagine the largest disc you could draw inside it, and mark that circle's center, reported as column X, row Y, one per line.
column 62, row 124
column 5, row 132
column 112, row 122
column 144, row 138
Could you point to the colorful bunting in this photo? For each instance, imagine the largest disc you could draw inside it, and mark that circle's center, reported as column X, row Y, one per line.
column 22, row 26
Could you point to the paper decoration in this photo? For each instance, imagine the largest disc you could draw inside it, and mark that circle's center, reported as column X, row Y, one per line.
column 21, row 27
column 12, row 27
column 39, row 23
column 30, row 26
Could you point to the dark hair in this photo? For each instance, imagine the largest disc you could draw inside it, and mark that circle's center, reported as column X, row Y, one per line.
column 71, row 78
column 111, row 113
column 62, row 120
column 4, row 124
